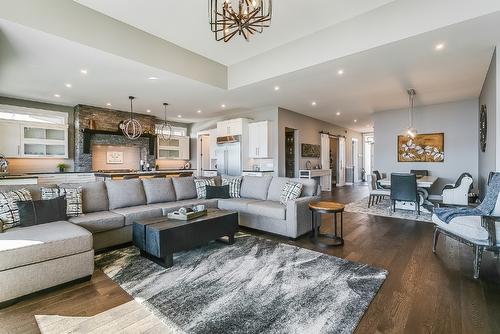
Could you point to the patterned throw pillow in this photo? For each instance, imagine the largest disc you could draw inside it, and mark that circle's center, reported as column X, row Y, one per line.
column 291, row 191
column 74, row 207
column 9, row 212
column 201, row 187
column 234, row 184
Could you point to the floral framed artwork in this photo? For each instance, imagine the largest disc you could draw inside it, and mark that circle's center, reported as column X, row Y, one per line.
column 422, row 148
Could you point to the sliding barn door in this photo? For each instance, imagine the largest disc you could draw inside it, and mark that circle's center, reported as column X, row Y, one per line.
column 341, row 163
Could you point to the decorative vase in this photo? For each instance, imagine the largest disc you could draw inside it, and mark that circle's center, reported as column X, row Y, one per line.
column 61, row 169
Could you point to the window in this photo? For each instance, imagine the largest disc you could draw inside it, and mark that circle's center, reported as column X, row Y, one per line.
column 176, row 131
column 28, row 115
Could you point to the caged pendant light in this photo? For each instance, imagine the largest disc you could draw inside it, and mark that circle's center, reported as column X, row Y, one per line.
column 243, row 17
column 131, row 128
column 164, row 131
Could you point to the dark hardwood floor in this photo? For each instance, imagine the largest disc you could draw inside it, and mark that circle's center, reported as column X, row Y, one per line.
column 423, row 293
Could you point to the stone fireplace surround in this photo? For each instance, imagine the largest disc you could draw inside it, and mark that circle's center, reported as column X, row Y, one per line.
column 108, row 120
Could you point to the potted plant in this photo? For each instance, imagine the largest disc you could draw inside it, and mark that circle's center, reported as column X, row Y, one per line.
column 61, row 167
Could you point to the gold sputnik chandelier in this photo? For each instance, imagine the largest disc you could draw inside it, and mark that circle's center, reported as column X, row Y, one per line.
column 242, row 17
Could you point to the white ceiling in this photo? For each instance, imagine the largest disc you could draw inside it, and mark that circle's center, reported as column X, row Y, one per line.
column 185, row 23
column 36, row 65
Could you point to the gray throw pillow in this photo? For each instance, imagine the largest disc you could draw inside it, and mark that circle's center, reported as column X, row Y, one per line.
column 42, row 212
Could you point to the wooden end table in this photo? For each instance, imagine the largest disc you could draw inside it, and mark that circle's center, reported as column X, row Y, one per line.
column 327, row 240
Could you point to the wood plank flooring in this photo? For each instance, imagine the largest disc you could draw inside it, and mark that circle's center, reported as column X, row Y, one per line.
column 424, row 293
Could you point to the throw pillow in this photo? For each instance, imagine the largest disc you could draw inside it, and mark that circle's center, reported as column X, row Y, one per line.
column 217, row 192
column 234, row 184
column 74, row 207
column 42, row 212
column 201, row 187
column 9, row 211
column 290, row 191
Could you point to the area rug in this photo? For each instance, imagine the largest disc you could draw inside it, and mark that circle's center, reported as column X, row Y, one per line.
column 252, row 286
column 383, row 208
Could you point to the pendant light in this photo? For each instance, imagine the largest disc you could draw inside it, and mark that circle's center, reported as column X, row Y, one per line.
column 410, row 131
column 131, row 128
column 165, row 129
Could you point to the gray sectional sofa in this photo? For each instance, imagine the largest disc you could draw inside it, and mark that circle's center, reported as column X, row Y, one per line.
column 47, row 255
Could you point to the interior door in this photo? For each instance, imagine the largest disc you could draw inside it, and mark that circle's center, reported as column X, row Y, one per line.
column 325, row 151
column 341, row 163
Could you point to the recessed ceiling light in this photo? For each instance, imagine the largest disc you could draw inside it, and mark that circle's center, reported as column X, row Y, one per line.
column 223, row 106
column 109, row 104
column 149, row 110
column 57, row 95
column 439, row 46
column 199, row 111
column 153, row 78
column 68, row 85
column 340, row 72
column 83, row 71
column 313, row 103
column 355, row 121
column 337, row 113
column 179, row 116
column 276, row 88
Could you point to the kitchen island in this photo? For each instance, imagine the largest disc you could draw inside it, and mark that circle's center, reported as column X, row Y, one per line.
column 112, row 175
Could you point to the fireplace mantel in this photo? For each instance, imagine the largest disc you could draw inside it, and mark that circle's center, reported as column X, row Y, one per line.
column 88, row 133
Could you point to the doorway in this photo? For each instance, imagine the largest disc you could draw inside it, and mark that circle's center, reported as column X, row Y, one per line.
column 368, row 141
column 290, row 152
column 334, row 158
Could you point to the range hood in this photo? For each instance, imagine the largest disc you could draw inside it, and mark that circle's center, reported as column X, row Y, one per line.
column 228, row 140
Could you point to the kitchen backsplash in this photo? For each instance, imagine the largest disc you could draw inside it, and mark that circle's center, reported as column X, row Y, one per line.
column 21, row 166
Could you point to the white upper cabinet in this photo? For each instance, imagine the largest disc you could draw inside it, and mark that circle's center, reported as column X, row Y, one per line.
column 10, row 139
column 33, row 133
column 233, row 127
column 260, row 141
column 175, row 148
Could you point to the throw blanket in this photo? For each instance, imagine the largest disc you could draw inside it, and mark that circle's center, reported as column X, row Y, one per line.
column 484, row 209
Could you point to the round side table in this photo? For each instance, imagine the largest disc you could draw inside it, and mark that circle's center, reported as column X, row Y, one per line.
column 327, row 240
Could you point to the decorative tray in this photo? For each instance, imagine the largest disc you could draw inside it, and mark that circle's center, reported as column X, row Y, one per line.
column 187, row 216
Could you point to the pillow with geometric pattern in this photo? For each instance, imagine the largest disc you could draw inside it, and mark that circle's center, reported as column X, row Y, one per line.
column 73, row 196
column 290, row 191
column 234, row 184
column 9, row 212
column 201, row 186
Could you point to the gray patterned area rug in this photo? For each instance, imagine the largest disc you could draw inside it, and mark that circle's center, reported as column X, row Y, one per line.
column 252, row 286
column 383, row 208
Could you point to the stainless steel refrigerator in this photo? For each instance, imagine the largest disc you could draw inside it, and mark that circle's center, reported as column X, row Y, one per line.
column 228, row 154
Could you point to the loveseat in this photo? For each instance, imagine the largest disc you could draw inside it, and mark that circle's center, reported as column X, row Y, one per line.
column 47, row 255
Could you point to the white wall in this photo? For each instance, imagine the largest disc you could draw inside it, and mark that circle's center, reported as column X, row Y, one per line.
column 488, row 97
column 457, row 120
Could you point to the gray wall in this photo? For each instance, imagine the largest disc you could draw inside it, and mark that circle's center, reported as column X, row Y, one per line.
column 488, row 97
column 457, row 120
column 308, row 133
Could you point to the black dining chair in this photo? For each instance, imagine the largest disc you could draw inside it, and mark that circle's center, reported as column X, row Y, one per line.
column 420, row 172
column 404, row 189
column 379, row 176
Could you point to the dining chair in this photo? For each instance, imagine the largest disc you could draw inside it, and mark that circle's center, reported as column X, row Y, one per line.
column 482, row 233
column 404, row 189
column 379, row 176
column 420, row 172
column 376, row 194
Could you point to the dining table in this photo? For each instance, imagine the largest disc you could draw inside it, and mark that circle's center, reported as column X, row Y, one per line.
column 424, row 183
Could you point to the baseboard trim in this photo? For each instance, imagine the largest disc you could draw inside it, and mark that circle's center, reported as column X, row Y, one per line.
column 11, row 302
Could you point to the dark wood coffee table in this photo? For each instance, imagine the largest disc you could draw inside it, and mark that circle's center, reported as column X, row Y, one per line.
column 159, row 238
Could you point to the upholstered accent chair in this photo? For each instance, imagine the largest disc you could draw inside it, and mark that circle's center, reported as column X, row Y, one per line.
column 404, row 189
column 482, row 233
column 458, row 193
column 376, row 194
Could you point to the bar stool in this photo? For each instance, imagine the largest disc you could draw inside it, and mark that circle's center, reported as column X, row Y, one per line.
column 327, row 240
